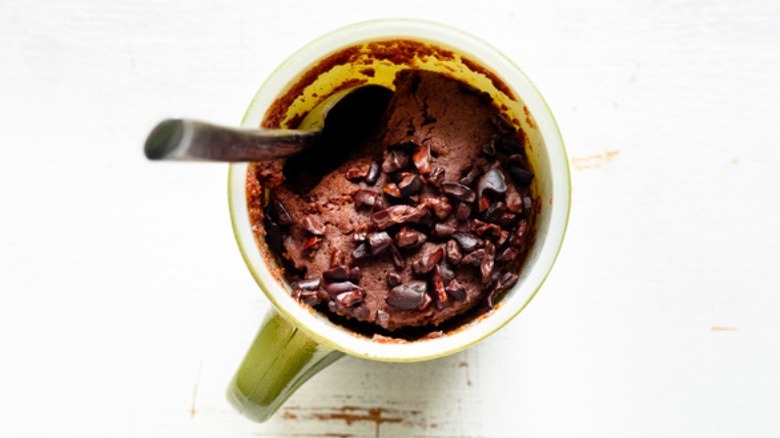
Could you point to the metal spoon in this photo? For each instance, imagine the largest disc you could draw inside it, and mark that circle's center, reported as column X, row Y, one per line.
column 347, row 111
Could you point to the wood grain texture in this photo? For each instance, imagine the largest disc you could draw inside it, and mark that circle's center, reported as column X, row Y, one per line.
column 125, row 306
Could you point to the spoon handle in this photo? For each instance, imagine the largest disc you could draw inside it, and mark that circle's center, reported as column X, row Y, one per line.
column 192, row 140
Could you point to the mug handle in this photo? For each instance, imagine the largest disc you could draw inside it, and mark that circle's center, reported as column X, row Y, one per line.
column 281, row 359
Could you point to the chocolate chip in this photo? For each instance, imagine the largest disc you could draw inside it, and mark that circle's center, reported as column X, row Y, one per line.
column 373, row 173
column 436, row 176
column 443, row 230
column 313, row 225
column 283, row 216
column 335, row 289
column 393, row 279
column 459, row 191
column 467, row 242
column 307, row 284
column 361, row 252
column 398, row 214
column 407, row 296
column 398, row 261
column 409, row 238
column 421, row 159
column 409, row 184
column 350, row 299
column 336, row 274
column 488, row 261
column 365, row 197
column 491, row 182
column 474, row 258
column 378, row 242
column 453, row 252
column 312, row 245
column 463, row 212
column 355, row 174
column 441, row 207
column 507, row 255
column 395, row 160
column 471, row 173
column 355, row 275
column 428, row 260
column 456, row 290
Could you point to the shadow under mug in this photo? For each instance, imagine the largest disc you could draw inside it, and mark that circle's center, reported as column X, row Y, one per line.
column 295, row 342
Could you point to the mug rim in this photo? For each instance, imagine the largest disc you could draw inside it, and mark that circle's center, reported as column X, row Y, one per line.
column 317, row 326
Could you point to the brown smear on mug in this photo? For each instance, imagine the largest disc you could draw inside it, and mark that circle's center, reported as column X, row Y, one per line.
column 353, row 414
column 595, row 161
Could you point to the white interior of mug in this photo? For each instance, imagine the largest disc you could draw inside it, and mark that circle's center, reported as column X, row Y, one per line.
column 547, row 155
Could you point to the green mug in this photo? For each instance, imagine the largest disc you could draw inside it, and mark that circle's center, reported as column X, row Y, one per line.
column 295, row 342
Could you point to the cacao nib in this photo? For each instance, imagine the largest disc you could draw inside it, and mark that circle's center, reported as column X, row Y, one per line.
column 409, row 238
column 393, row 279
column 456, row 290
column 428, row 260
column 283, row 216
column 313, row 225
column 422, row 159
column 471, row 173
column 467, row 242
column 436, row 176
column 361, row 252
column 392, row 190
column 453, row 252
column 463, row 212
column 395, row 160
column 307, row 284
column 365, row 197
column 459, row 192
column 398, row 214
column 373, row 173
column 407, row 296
column 335, row 289
column 488, row 261
column 443, row 230
column 356, row 174
column 336, row 274
column 473, row 258
column 409, row 184
column 491, row 182
column 378, row 242
column 361, row 232
column 350, row 299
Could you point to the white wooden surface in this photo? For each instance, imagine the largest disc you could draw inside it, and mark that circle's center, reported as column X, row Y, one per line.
column 125, row 306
